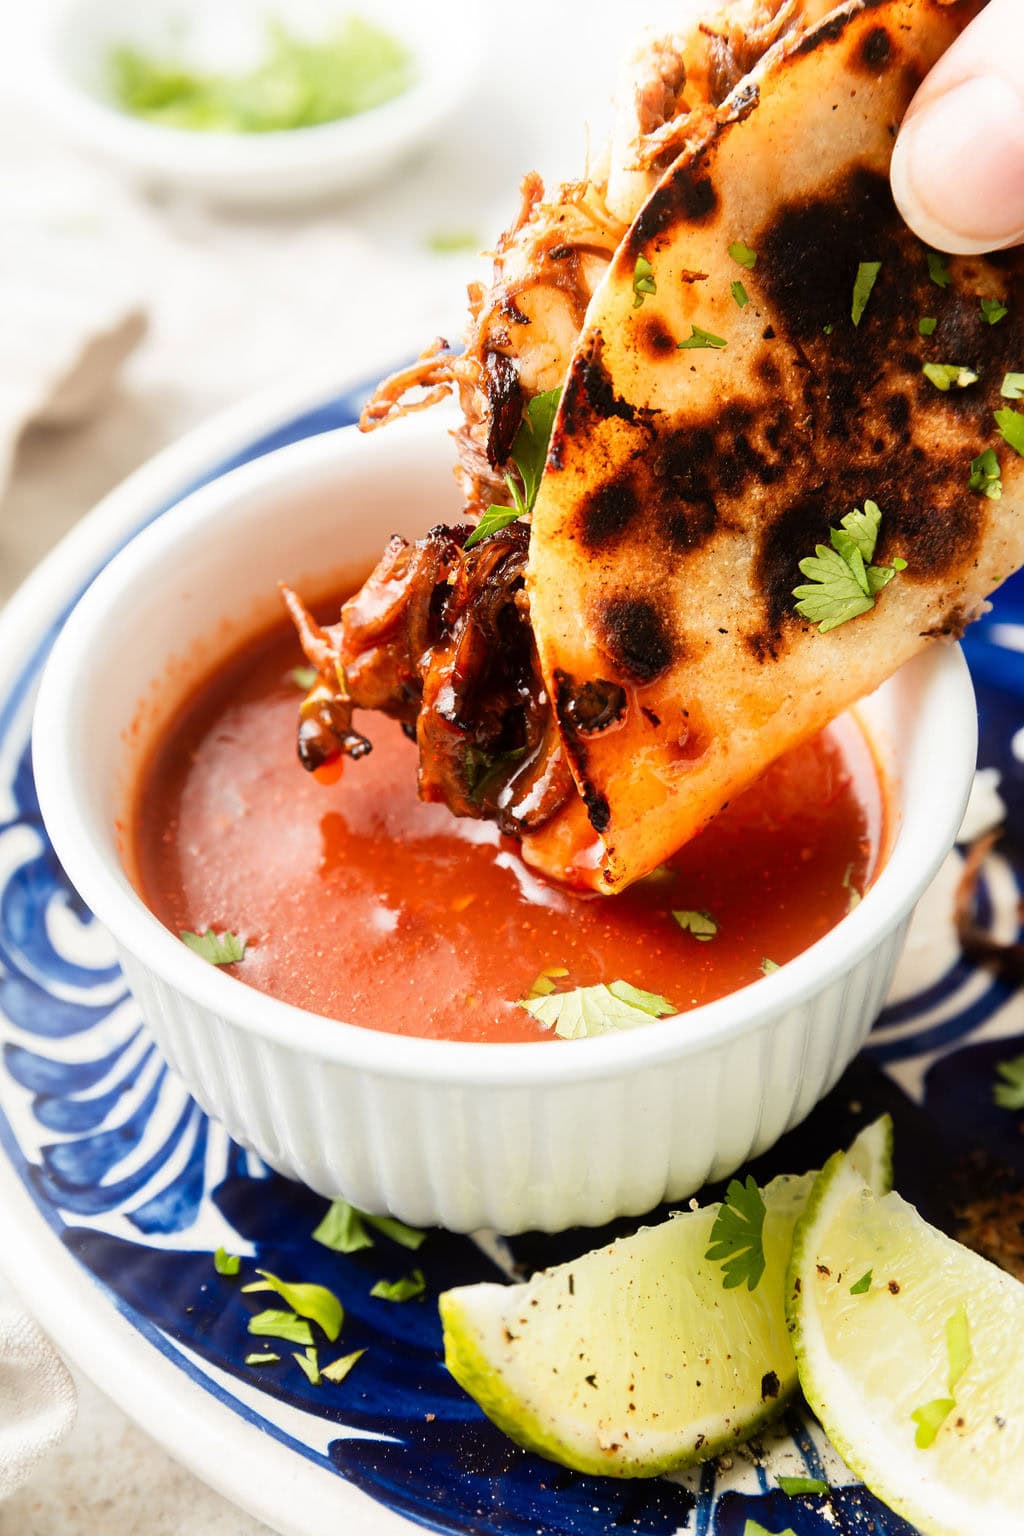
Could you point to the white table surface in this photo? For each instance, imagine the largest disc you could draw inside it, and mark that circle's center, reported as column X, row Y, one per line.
column 237, row 303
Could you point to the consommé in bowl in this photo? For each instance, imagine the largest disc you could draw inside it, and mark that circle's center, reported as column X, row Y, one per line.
column 463, row 1135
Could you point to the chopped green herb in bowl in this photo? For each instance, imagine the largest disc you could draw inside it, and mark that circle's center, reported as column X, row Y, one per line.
column 300, row 82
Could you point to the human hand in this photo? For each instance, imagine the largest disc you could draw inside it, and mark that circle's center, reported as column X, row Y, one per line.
column 958, row 164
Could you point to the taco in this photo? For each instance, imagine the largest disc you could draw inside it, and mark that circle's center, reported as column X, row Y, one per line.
column 780, row 460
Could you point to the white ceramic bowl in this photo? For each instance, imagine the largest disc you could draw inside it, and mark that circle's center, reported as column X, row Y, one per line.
column 73, row 43
column 463, row 1135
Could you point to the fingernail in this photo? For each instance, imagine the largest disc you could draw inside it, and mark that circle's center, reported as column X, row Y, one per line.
column 958, row 168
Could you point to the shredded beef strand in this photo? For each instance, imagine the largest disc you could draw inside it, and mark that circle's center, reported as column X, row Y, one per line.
column 1005, row 960
column 439, row 638
column 432, row 371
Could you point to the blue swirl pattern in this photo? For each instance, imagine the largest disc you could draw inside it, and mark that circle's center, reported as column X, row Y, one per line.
column 124, row 1166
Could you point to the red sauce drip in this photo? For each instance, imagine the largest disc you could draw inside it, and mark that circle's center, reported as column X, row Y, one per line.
column 361, row 903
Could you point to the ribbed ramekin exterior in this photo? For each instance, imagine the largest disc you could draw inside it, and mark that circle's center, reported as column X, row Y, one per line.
column 542, row 1155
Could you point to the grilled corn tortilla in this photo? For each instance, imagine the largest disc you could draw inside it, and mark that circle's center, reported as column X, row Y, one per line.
column 684, row 487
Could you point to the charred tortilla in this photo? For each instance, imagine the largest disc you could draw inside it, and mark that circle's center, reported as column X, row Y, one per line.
column 684, row 487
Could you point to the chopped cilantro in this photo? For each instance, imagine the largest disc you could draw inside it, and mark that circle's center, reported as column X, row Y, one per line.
column 938, row 270
column 743, row 254
column 737, row 1237
column 767, row 966
column 867, row 276
column 314, row 1301
column 855, row 897
column 401, row 1290
column 265, row 1359
column 993, row 310
column 929, row 1419
column 342, row 1229
column 643, row 281
column 701, row 924
column 219, row 948
column 755, row 1528
column 444, row 242
column 600, row 1010
column 863, row 1285
column 699, row 338
column 926, row 325
column 986, row 477
column 945, row 375
column 304, row 677
column 226, row 1263
column 529, row 455
column 828, row 329
column 1012, row 387
column 842, row 583
column 1011, row 429
column 739, row 293
column 958, row 1345
column 339, row 1369
column 310, row 1366
column 274, row 1324
column 1009, row 1094
column 544, row 983
column 797, row 1485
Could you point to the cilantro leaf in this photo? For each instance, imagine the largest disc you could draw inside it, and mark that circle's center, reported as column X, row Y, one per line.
column 226, row 1263
column 743, row 254
column 219, row 948
column 275, row 1324
column 314, row 1301
column 529, row 455
column 1012, row 387
column 863, row 1285
column 1011, row 429
column 600, row 1010
column 265, row 1359
column 342, row 1229
column 926, row 325
column 986, row 477
column 643, row 281
column 767, row 966
column 929, row 1419
column 398, row 1231
column 993, row 310
column 492, row 521
column 797, row 1485
column 339, row 1369
column 842, row 585
column 945, row 375
column 737, row 1236
column 867, row 276
column 958, row 1345
column 739, row 293
column 701, row 924
column 938, row 270
column 304, row 678
column 699, row 338
column 401, row 1290
column 1009, row 1094
column 310, row 1365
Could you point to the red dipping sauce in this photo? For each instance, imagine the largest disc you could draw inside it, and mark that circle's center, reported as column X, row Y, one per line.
column 361, row 903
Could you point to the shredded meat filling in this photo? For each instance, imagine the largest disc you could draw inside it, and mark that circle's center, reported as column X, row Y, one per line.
column 439, row 638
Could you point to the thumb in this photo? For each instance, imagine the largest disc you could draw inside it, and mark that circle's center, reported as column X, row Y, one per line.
column 958, row 164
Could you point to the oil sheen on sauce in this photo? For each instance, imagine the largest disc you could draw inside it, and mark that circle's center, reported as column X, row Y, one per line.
column 361, row 903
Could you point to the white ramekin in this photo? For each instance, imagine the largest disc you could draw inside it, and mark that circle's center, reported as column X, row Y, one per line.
column 461, row 1135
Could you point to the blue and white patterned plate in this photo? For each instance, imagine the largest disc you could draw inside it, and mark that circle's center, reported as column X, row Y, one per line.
column 115, row 1188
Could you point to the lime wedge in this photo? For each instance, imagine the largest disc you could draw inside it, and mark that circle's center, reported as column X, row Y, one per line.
column 636, row 1359
column 911, row 1352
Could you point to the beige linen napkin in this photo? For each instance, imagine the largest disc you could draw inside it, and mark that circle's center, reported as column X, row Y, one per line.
column 37, row 1398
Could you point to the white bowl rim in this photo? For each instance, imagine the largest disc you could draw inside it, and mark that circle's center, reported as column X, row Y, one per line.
column 435, row 94
column 929, row 825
